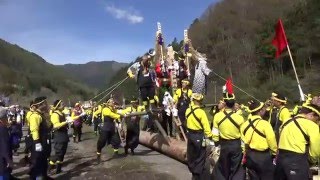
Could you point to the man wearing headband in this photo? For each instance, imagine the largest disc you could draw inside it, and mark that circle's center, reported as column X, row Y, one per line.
column 226, row 131
column 182, row 101
column 283, row 113
column 299, row 144
column 61, row 138
column 39, row 130
column 108, row 133
column 133, row 126
column 198, row 129
column 260, row 143
column 28, row 139
column 97, row 117
column 77, row 114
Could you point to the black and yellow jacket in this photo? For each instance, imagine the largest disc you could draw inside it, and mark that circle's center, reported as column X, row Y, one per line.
column 197, row 120
column 226, row 125
column 109, row 117
column 60, row 126
column 260, row 139
column 297, row 133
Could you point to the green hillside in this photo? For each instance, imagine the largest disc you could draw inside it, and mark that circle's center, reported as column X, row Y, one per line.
column 94, row 74
column 24, row 75
column 236, row 35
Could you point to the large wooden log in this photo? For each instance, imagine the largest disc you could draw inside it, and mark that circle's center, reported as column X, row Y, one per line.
column 172, row 148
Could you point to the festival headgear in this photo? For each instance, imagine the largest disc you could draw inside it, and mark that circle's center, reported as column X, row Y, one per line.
column 134, row 100
column 255, row 106
column 186, row 81
column 228, row 96
column 313, row 108
column 39, row 100
column 56, row 103
column 197, row 96
column 278, row 97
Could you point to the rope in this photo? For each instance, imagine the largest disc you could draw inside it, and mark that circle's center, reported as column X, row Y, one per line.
column 108, row 89
column 236, row 86
column 122, row 81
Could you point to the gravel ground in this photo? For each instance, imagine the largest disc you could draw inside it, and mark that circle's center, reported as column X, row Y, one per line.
column 80, row 163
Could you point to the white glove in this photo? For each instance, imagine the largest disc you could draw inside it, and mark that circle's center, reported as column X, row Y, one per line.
column 118, row 125
column 38, row 147
column 69, row 120
column 209, row 142
column 83, row 114
column 224, row 89
column 175, row 112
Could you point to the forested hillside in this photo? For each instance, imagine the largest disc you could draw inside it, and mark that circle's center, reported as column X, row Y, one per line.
column 24, row 75
column 94, row 74
column 236, row 35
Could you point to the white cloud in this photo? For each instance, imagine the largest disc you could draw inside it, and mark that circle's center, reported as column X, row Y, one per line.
column 130, row 15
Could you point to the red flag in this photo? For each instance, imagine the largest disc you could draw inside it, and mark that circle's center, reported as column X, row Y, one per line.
column 229, row 86
column 280, row 39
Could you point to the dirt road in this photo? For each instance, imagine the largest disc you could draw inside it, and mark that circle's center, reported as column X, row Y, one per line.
column 80, row 163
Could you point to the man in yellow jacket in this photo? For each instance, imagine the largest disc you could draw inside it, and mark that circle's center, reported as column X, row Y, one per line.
column 226, row 131
column 198, row 129
column 39, row 131
column 133, row 126
column 28, row 140
column 108, row 133
column 283, row 114
column 181, row 99
column 260, row 143
column 299, row 138
column 97, row 118
column 60, row 125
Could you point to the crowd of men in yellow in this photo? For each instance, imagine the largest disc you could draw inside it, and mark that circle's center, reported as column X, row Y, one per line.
column 269, row 143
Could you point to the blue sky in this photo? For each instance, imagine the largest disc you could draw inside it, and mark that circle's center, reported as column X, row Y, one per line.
column 78, row 31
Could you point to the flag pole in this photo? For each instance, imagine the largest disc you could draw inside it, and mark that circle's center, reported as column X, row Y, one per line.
column 302, row 98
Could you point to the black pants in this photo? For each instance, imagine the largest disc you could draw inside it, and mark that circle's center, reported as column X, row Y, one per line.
column 291, row 166
column 167, row 120
column 229, row 163
column 77, row 132
column 147, row 93
column 39, row 162
column 106, row 138
column 259, row 165
column 28, row 144
column 96, row 123
column 182, row 116
column 133, row 132
column 60, row 149
column 196, row 155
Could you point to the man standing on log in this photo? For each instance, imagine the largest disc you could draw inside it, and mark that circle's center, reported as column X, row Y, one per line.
column 198, row 129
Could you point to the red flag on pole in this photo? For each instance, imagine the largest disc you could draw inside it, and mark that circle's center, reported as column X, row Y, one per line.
column 280, row 39
column 229, row 86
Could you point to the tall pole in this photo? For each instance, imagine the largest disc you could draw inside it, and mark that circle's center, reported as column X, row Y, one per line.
column 302, row 98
